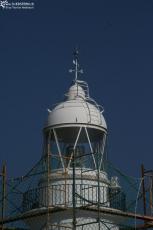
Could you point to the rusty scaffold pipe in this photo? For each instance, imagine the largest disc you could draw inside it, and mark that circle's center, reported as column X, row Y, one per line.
column 3, row 175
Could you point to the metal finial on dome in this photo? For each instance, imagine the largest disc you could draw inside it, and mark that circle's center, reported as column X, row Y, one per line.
column 76, row 70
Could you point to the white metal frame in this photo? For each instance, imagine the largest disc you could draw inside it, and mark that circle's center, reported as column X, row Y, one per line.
column 101, row 150
column 58, row 147
column 77, row 138
column 91, row 147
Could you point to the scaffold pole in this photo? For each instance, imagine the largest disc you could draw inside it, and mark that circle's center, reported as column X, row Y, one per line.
column 3, row 174
column 143, row 190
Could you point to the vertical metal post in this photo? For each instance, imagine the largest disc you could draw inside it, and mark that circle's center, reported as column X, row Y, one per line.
column 48, row 177
column 3, row 192
column 73, row 193
column 98, row 177
column 65, row 191
column 151, row 194
column 143, row 189
column 98, row 198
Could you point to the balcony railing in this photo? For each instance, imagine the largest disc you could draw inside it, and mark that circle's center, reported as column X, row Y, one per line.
column 61, row 195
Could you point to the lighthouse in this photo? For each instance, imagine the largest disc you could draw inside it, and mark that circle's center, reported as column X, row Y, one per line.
column 75, row 185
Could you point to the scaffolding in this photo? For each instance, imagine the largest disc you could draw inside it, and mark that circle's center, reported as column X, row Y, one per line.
column 20, row 199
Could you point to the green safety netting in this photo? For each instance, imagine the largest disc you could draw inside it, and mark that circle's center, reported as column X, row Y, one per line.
column 127, row 197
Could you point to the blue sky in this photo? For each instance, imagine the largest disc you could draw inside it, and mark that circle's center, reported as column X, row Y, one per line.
column 116, row 53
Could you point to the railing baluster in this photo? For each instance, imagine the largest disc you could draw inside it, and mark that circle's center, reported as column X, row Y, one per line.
column 36, row 198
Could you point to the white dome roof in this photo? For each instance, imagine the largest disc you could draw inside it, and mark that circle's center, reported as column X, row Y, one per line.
column 76, row 91
column 76, row 110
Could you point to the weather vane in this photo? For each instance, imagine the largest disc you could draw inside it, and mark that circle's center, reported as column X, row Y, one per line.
column 76, row 70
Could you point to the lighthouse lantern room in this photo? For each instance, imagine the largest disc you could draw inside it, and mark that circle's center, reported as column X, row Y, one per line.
column 75, row 185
